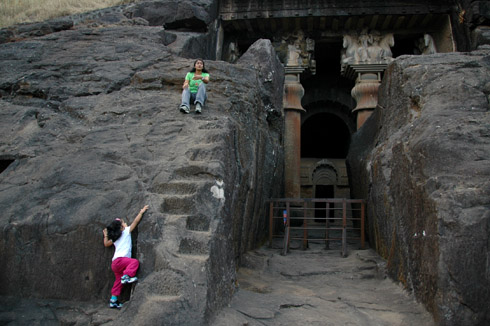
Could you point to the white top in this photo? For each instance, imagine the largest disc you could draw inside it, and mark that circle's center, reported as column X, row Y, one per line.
column 123, row 245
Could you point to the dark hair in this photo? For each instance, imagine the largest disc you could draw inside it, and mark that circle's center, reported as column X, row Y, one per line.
column 194, row 66
column 114, row 230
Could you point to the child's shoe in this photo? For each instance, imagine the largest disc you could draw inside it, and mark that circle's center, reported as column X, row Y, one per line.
column 115, row 304
column 126, row 279
column 198, row 107
column 184, row 109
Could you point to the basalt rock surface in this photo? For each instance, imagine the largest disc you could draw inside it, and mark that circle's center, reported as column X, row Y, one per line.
column 90, row 131
column 188, row 26
column 423, row 162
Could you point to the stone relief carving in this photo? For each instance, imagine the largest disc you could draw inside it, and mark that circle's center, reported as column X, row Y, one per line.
column 324, row 172
column 296, row 50
column 294, row 54
column 232, row 52
column 425, row 45
column 367, row 47
column 349, row 51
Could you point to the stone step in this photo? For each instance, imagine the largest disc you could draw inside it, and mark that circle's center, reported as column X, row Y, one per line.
column 200, row 170
column 166, row 283
column 194, row 244
column 200, row 259
column 196, row 223
column 212, row 137
column 199, row 223
column 177, row 220
column 211, row 125
column 205, row 152
column 178, row 204
column 164, row 298
column 176, row 188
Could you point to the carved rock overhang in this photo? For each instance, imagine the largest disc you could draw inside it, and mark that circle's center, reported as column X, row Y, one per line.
column 324, row 19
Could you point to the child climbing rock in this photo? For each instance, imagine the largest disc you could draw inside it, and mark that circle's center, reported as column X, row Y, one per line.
column 118, row 233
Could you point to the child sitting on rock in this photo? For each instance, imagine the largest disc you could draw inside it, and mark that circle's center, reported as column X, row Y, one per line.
column 194, row 88
column 118, row 233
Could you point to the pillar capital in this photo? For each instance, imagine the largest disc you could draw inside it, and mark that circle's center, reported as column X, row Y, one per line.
column 293, row 90
column 364, row 58
column 365, row 91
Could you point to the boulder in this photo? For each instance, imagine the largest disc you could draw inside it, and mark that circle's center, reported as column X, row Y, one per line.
column 481, row 36
column 187, row 14
column 261, row 55
column 91, row 131
column 422, row 161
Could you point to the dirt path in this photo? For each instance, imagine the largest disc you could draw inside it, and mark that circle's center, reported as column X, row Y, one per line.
column 319, row 287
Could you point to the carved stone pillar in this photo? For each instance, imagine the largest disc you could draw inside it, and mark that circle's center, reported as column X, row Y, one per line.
column 364, row 58
column 365, row 92
column 298, row 51
column 293, row 93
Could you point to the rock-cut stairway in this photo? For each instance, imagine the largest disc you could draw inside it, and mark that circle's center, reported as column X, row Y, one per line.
column 190, row 218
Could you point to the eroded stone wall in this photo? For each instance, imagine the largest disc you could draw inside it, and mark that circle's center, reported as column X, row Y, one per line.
column 422, row 162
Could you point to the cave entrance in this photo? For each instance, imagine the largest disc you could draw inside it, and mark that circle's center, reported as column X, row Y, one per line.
column 323, row 191
column 4, row 164
column 326, row 125
column 325, row 140
column 317, row 35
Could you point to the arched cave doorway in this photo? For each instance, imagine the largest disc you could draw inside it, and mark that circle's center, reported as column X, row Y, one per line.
column 325, row 140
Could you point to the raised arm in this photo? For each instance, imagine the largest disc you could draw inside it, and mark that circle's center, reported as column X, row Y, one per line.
column 138, row 218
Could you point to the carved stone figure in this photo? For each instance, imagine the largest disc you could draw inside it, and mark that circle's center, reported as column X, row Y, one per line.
column 233, row 53
column 385, row 44
column 375, row 51
column 425, row 45
column 349, row 53
column 364, row 40
column 293, row 55
column 367, row 48
column 296, row 50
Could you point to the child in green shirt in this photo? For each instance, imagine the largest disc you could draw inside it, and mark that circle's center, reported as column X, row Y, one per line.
column 194, row 88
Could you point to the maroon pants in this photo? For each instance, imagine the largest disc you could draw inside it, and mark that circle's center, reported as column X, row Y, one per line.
column 123, row 266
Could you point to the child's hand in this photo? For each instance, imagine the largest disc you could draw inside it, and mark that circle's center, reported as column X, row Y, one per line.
column 105, row 232
column 138, row 218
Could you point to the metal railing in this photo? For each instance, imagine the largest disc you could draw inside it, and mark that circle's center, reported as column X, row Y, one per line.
column 317, row 219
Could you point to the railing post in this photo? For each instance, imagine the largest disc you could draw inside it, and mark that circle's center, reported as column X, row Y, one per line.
column 327, row 224
column 305, row 225
column 306, row 205
column 286, row 231
column 271, row 222
column 363, row 207
column 344, row 228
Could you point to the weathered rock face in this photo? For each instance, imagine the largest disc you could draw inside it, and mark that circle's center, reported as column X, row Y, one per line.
column 187, row 14
column 262, row 57
column 90, row 131
column 423, row 161
column 190, row 28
